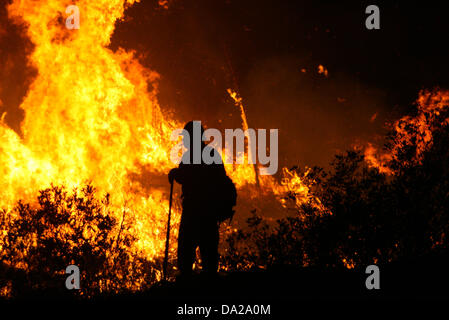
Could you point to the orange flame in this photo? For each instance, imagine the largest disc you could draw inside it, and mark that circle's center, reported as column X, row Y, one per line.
column 376, row 159
column 414, row 130
column 89, row 117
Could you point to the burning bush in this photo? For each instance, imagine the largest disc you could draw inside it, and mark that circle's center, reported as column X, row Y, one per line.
column 336, row 233
column 76, row 227
column 262, row 245
column 373, row 215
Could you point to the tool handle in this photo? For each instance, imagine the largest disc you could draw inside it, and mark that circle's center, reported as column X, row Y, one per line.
column 167, row 241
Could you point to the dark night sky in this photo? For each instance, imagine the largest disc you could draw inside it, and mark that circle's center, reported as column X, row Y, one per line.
column 196, row 43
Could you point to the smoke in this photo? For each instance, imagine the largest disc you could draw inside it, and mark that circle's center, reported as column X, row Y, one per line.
column 15, row 73
column 317, row 115
column 201, row 50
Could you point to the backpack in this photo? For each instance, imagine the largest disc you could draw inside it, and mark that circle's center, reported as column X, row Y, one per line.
column 227, row 200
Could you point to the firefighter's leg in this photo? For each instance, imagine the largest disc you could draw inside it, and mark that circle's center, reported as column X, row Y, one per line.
column 209, row 247
column 186, row 246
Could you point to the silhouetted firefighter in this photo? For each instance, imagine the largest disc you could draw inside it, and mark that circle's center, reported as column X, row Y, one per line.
column 208, row 196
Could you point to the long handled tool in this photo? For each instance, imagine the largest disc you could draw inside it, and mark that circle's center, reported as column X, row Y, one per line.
column 167, row 241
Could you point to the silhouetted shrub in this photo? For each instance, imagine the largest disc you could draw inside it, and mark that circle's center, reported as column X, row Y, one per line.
column 372, row 217
column 39, row 242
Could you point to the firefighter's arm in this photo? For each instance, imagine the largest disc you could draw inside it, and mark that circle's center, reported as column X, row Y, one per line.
column 172, row 175
column 177, row 174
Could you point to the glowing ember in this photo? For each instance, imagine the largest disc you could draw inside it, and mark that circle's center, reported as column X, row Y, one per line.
column 322, row 70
